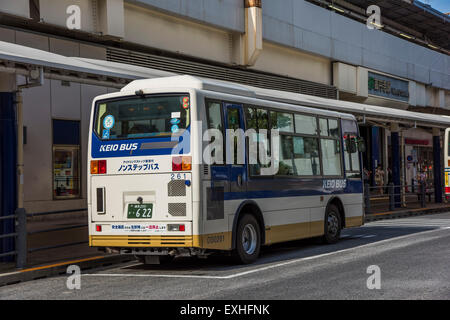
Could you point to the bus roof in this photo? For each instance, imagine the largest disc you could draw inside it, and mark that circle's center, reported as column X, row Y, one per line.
column 368, row 111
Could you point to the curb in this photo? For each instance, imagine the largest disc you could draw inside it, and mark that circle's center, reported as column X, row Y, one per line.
column 406, row 213
column 61, row 268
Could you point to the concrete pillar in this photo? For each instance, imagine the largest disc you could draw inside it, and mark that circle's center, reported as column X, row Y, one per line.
column 253, row 31
column 8, row 138
column 374, row 151
column 395, row 145
column 437, row 168
column 111, row 18
column 8, row 191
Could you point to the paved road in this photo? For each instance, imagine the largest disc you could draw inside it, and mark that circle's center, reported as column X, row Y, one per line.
column 413, row 255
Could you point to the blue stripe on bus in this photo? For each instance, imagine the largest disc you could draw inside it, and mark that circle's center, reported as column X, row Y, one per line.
column 132, row 147
column 289, row 193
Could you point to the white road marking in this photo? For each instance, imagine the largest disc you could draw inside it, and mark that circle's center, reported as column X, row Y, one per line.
column 411, row 223
column 282, row 264
column 133, row 265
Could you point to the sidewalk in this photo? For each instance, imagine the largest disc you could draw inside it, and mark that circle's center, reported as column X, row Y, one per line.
column 432, row 208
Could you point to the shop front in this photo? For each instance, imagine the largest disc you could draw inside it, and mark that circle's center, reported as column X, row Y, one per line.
column 419, row 158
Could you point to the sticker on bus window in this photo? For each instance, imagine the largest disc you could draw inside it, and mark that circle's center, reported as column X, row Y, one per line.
column 176, row 115
column 174, row 121
column 186, row 102
column 105, row 134
column 174, row 128
column 108, row 122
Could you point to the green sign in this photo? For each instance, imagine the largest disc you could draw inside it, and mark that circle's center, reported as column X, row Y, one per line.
column 387, row 87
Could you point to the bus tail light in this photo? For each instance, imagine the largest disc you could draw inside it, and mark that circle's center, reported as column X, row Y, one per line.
column 181, row 163
column 98, row 166
column 102, row 166
column 176, row 227
column 98, row 228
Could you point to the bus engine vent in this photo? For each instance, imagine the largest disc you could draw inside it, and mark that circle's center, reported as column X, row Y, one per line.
column 205, row 169
column 177, row 209
column 176, row 188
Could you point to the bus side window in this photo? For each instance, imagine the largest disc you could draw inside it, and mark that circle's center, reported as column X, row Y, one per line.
column 330, row 147
column 257, row 119
column 214, row 117
column 306, row 147
column 351, row 149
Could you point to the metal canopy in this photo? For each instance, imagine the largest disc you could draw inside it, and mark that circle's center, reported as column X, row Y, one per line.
column 431, row 23
column 362, row 111
column 19, row 59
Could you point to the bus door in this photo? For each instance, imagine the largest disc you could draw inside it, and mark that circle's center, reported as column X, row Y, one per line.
column 235, row 154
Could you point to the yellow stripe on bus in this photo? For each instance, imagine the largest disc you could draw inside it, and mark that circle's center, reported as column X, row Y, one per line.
column 217, row 241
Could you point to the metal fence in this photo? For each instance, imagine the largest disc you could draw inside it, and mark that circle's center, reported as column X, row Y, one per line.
column 21, row 234
column 391, row 197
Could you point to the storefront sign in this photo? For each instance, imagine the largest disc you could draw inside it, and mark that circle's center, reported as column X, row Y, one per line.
column 384, row 86
column 416, row 141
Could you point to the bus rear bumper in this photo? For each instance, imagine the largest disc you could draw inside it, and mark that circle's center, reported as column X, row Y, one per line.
column 149, row 245
column 143, row 241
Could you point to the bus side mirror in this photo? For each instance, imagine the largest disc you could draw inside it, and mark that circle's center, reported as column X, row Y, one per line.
column 361, row 145
column 351, row 144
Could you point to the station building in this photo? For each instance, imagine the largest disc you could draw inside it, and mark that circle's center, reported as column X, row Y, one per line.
column 56, row 56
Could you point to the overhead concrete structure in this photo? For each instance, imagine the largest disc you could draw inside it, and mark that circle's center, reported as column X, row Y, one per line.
column 253, row 31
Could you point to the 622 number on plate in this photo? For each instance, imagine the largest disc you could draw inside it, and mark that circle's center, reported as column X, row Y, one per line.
column 140, row 211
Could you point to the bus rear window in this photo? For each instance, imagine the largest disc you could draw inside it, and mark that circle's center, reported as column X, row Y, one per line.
column 146, row 117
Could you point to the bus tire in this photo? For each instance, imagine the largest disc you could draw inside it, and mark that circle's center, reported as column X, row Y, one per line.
column 332, row 225
column 248, row 240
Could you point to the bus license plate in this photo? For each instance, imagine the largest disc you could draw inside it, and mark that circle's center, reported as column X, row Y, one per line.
column 140, row 211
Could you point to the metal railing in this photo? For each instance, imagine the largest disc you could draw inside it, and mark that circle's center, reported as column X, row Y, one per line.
column 392, row 196
column 21, row 234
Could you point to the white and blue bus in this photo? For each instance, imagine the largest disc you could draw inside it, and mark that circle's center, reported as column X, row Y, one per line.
column 152, row 194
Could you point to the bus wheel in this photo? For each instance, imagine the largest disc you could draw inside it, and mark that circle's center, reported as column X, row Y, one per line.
column 332, row 225
column 248, row 240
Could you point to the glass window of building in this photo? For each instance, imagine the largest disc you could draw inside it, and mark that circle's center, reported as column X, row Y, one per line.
column 66, row 159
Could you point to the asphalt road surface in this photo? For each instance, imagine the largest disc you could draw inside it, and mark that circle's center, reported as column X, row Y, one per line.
column 412, row 254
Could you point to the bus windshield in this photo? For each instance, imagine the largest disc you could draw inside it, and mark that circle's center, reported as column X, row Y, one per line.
column 142, row 117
